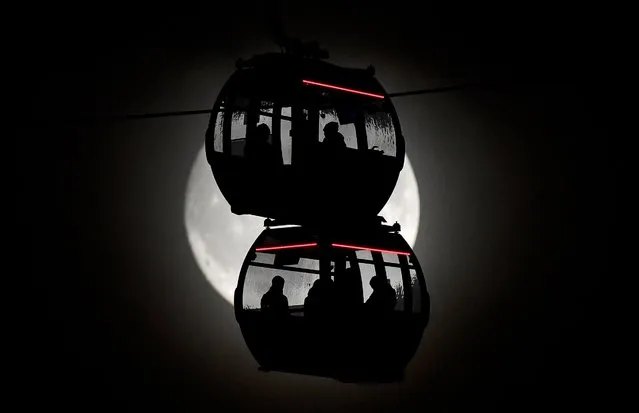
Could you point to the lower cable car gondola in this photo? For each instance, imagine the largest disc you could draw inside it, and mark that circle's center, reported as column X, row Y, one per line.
column 350, row 305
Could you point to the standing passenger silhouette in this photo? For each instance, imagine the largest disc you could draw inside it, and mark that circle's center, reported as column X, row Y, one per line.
column 319, row 302
column 274, row 302
column 383, row 298
column 258, row 149
column 333, row 140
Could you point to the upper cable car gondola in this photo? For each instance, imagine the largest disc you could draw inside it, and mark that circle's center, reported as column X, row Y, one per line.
column 297, row 138
column 347, row 305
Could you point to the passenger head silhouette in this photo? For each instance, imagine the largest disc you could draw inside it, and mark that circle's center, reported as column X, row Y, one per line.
column 262, row 132
column 277, row 283
column 377, row 282
column 331, row 128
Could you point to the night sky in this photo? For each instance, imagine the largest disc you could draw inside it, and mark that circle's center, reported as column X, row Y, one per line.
column 513, row 229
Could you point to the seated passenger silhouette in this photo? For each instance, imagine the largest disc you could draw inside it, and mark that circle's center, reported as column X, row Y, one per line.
column 383, row 298
column 333, row 140
column 258, row 149
column 319, row 302
column 274, row 302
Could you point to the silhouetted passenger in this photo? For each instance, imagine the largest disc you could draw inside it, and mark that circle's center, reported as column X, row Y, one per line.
column 274, row 301
column 333, row 140
column 258, row 149
column 319, row 302
column 383, row 298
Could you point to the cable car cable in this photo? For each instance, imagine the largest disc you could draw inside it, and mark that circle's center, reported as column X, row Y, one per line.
column 116, row 118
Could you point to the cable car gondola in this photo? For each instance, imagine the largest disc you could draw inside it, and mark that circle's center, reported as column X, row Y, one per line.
column 348, row 339
column 270, row 133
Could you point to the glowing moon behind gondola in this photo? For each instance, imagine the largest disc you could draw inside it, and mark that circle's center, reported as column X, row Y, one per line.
column 220, row 239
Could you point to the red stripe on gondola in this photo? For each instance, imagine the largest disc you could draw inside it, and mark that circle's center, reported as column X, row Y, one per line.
column 283, row 247
column 343, row 89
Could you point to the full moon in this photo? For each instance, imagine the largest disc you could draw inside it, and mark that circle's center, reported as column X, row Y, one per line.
column 220, row 239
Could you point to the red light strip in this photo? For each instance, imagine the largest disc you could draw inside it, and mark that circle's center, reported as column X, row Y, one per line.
column 343, row 89
column 284, row 247
column 354, row 247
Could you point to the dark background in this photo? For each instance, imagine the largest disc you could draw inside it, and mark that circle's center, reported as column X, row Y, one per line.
column 515, row 192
